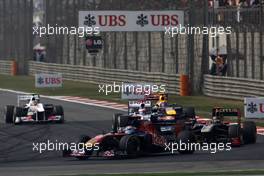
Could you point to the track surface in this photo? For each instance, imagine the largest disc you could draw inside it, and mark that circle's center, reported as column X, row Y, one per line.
column 17, row 157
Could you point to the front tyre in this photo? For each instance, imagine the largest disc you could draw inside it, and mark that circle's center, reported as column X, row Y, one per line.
column 249, row 132
column 130, row 144
column 9, row 113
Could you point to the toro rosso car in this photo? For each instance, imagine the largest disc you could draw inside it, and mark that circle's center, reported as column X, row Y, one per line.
column 225, row 126
column 138, row 133
column 32, row 111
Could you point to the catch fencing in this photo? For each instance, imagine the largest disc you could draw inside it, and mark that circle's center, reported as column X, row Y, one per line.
column 97, row 75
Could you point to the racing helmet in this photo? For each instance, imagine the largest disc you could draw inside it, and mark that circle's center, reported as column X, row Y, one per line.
column 34, row 101
column 162, row 101
column 142, row 109
column 130, row 130
column 216, row 119
column 155, row 108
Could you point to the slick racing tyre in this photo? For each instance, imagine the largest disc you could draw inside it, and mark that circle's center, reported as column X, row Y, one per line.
column 234, row 131
column 130, row 145
column 9, row 113
column 115, row 122
column 185, row 138
column 249, row 132
column 58, row 110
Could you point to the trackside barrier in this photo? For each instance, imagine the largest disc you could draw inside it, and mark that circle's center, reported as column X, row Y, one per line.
column 6, row 67
column 232, row 88
column 98, row 75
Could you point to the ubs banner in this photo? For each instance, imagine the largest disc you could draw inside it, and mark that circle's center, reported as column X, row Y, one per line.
column 131, row 20
column 48, row 80
column 254, row 107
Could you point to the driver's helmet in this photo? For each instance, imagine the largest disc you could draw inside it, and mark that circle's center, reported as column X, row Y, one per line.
column 130, row 130
column 34, row 101
column 131, row 111
column 162, row 101
column 216, row 119
column 155, row 108
column 142, row 109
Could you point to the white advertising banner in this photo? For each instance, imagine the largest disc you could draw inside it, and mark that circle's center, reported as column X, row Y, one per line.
column 131, row 20
column 254, row 107
column 48, row 80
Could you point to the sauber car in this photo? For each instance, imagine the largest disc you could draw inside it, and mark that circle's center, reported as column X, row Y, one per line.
column 29, row 109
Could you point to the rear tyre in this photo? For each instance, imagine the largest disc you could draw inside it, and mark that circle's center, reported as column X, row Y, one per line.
column 130, row 145
column 234, row 131
column 58, row 110
column 249, row 132
column 9, row 113
column 184, row 139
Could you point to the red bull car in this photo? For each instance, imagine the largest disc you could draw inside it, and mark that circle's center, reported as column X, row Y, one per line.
column 33, row 111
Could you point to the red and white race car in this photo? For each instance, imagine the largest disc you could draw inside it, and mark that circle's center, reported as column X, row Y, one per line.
column 32, row 111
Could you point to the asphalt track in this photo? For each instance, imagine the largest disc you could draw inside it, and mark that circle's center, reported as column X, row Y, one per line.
column 18, row 158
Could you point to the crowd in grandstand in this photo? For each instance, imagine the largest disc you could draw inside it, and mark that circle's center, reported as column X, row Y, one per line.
column 226, row 3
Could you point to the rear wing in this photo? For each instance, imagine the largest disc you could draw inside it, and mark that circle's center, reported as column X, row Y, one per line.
column 27, row 97
column 155, row 96
column 227, row 112
column 137, row 104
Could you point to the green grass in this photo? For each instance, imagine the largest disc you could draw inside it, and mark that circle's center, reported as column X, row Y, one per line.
column 226, row 173
column 202, row 104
